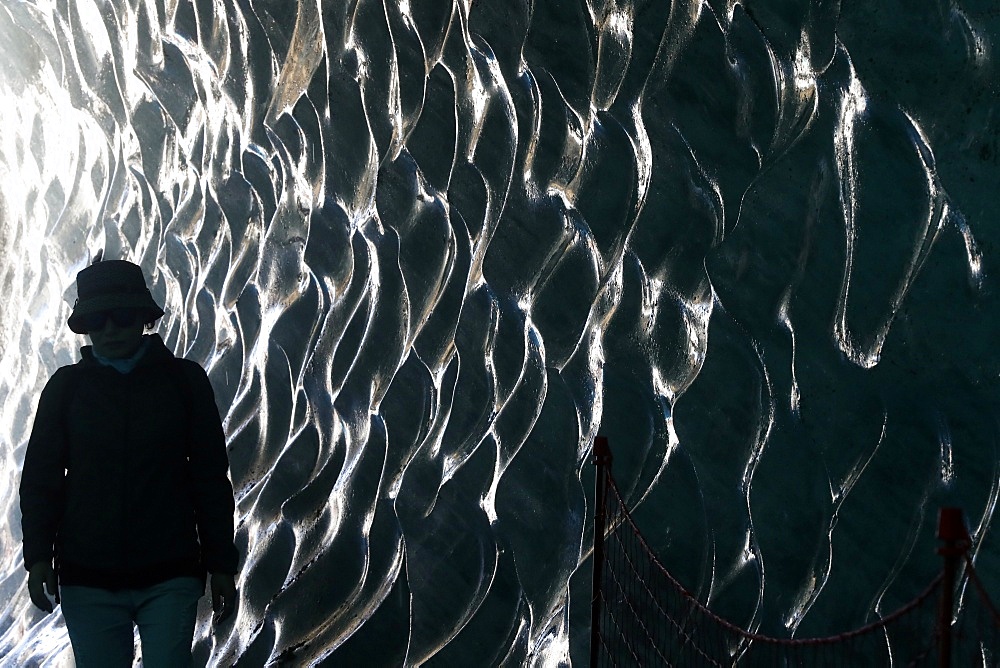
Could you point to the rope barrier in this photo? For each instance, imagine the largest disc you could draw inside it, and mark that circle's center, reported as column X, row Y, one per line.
column 643, row 616
column 983, row 596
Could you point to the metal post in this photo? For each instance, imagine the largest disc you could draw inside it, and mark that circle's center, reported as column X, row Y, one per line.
column 951, row 530
column 601, row 458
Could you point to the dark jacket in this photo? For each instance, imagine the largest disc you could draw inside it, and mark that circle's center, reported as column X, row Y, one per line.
column 126, row 475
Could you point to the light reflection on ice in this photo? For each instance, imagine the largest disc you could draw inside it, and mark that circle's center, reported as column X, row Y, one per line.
column 415, row 349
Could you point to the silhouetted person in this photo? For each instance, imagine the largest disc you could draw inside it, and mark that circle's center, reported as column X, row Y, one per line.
column 125, row 495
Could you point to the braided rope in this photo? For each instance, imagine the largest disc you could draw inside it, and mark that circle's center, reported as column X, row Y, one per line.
column 637, row 637
column 841, row 637
column 981, row 590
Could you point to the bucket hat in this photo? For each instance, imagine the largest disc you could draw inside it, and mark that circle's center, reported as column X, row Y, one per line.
column 108, row 285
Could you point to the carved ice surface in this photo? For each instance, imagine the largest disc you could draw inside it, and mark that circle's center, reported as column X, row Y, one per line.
column 427, row 250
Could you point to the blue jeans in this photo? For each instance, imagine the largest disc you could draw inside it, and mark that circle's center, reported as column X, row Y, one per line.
column 100, row 623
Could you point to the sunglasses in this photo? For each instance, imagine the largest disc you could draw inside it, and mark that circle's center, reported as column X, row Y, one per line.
column 120, row 317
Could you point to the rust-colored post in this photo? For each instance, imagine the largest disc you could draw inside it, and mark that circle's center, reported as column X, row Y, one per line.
column 601, row 458
column 951, row 530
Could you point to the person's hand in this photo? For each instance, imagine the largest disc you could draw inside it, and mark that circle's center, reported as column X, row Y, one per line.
column 41, row 577
column 223, row 587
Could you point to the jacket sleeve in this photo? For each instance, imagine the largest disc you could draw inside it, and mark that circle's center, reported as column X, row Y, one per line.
column 43, row 476
column 214, row 505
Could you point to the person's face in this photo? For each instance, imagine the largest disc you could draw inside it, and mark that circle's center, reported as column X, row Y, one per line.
column 115, row 334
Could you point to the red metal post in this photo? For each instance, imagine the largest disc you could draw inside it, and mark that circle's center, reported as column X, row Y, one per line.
column 951, row 530
column 601, row 458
